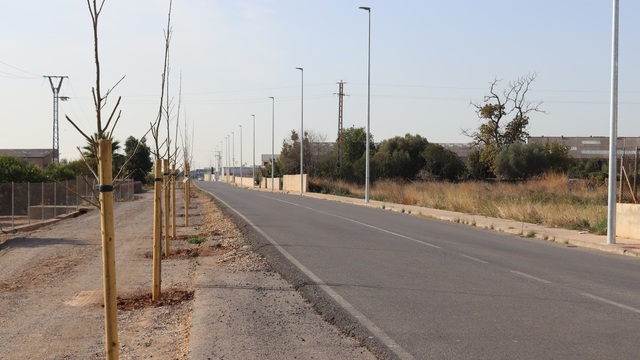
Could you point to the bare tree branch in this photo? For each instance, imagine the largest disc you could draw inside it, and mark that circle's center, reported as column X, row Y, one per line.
column 114, row 86
column 88, row 138
column 106, row 127
column 95, row 12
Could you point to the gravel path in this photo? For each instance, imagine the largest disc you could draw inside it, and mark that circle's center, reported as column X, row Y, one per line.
column 51, row 294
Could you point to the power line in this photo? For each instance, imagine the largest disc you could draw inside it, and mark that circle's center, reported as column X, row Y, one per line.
column 16, row 68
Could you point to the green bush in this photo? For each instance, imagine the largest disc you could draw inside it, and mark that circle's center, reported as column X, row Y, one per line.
column 13, row 169
column 521, row 161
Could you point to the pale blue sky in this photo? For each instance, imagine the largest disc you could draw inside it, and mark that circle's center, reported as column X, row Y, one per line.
column 429, row 60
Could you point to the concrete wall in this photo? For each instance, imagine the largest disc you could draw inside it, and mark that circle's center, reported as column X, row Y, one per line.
column 292, row 183
column 266, row 183
column 48, row 211
column 244, row 181
column 628, row 220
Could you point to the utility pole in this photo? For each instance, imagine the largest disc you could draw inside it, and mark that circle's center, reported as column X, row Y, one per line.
column 341, row 95
column 56, row 92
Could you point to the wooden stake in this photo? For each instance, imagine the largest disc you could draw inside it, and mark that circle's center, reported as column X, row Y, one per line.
column 187, row 193
column 173, row 200
column 165, row 188
column 157, row 230
column 108, row 249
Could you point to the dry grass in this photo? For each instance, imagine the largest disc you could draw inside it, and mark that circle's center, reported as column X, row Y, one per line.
column 552, row 200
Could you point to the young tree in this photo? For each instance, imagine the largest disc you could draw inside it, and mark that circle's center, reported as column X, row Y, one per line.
column 477, row 169
column 442, row 163
column 520, row 161
column 354, row 148
column 289, row 159
column 101, row 144
column 400, row 157
column 139, row 162
column 504, row 118
column 558, row 156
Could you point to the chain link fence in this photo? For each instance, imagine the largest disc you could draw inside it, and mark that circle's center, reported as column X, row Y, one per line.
column 29, row 203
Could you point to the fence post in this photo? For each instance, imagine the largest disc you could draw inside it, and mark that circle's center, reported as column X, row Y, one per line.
column 13, row 201
column 173, row 200
column 77, row 193
column 42, row 201
column 635, row 175
column 165, row 192
column 29, row 202
column 157, row 229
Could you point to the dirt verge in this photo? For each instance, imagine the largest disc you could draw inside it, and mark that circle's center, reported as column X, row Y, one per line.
column 51, row 294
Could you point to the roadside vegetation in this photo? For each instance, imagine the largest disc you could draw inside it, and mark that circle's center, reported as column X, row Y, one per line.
column 503, row 176
column 13, row 169
column 552, row 200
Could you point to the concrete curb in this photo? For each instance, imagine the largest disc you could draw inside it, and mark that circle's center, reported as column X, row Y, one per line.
column 47, row 222
column 623, row 246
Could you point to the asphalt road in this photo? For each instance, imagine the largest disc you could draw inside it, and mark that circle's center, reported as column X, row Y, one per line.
column 427, row 289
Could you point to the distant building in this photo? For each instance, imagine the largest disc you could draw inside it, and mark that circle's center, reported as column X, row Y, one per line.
column 266, row 158
column 39, row 157
column 461, row 149
column 585, row 148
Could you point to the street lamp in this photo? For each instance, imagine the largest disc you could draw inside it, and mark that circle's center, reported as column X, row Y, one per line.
column 613, row 131
column 273, row 105
column 301, row 128
column 226, row 156
column 366, row 184
column 233, row 156
column 241, row 169
column 253, row 172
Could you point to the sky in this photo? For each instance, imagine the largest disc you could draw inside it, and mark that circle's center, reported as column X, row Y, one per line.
column 429, row 61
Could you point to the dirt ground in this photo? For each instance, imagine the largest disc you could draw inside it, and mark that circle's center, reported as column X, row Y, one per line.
column 51, row 292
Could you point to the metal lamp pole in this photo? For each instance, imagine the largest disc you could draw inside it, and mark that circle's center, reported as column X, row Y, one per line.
column 233, row 156
column 301, row 129
column 613, row 133
column 366, row 185
column 273, row 105
column 253, row 172
column 241, row 168
column 226, row 156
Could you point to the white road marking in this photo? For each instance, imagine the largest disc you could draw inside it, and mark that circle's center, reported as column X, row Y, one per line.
column 359, row 223
column 373, row 328
column 474, row 259
column 607, row 301
column 531, row 277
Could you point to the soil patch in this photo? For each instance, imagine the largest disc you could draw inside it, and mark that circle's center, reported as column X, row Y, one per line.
column 169, row 297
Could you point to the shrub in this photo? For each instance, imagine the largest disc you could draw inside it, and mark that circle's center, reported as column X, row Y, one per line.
column 521, row 161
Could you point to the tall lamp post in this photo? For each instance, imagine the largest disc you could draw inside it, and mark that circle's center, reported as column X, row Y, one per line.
column 226, row 157
column 241, row 168
column 366, row 184
column 233, row 156
column 613, row 131
column 273, row 105
column 301, row 129
column 253, row 172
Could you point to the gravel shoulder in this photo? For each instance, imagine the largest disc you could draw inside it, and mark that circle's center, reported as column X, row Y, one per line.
column 221, row 300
